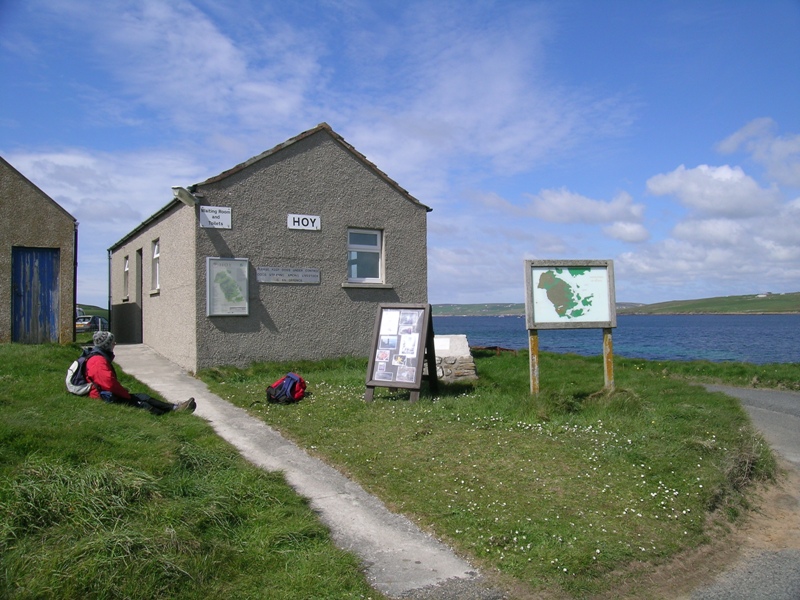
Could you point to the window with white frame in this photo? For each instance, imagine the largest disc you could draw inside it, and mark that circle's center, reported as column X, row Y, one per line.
column 155, row 282
column 364, row 256
column 125, row 277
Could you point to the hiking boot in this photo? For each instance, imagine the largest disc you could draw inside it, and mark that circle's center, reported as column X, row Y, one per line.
column 189, row 405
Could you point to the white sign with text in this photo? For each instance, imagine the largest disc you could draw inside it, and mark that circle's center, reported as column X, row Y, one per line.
column 287, row 275
column 309, row 222
column 215, row 217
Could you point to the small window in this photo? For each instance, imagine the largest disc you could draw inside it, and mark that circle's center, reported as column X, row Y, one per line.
column 155, row 282
column 125, row 277
column 364, row 256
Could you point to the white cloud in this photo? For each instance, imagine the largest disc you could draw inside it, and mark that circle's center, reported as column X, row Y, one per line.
column 108, row 190
column 494, row 202
column 108, row 194
column 721, row 191
column 776, row 252
column 563, row 206
column 780, row 155
column 708, row 257
column 487, row 271
column 458, row 105
column 171, row 61
column 454, row 101
column 757, row 128
column 723, row 232
column 784, row 225
column 464, row 106
column 627, row 232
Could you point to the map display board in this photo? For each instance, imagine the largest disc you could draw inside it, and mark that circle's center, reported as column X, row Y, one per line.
column 570, row 294
column 402, row 334
column 227, row 285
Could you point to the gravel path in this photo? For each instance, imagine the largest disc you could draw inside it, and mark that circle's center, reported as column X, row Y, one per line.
column 770, row 566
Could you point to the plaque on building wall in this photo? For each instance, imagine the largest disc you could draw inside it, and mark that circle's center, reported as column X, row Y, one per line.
column 402, row 340
column 287, row 275
column 309, row 222
column 227, row 285
column 215, row 217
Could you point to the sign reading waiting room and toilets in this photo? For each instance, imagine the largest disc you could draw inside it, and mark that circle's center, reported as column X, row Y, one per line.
column 215, row 217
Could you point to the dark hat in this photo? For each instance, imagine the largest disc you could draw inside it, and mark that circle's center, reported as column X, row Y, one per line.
column 104, row 340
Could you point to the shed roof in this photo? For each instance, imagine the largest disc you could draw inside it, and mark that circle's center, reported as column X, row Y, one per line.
column 37, row 189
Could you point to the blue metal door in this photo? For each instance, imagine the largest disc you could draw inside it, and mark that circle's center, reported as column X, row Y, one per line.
column 35, row 295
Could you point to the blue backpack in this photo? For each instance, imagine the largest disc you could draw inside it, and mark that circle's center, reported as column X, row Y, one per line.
column 288, row 389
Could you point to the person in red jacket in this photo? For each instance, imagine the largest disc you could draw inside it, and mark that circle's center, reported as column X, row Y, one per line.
column 101, row 374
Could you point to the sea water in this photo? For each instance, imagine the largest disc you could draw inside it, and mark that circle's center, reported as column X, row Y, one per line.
column 756, row 339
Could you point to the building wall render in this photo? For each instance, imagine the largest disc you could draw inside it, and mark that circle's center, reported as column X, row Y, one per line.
column 315, row 176
column 34, row 220
column 168, row 314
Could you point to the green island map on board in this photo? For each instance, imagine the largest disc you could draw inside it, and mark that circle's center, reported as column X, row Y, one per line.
column 230, row 289
column 567, row 300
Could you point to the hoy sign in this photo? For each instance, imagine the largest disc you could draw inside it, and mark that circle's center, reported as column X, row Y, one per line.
column 311, row 222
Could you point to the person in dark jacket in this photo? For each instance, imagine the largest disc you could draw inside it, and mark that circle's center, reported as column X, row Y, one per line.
column 101, row 374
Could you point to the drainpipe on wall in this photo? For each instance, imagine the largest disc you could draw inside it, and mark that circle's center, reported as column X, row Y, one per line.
column 74, row 281
column 110, row 316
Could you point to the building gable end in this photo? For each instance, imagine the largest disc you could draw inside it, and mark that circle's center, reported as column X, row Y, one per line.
column 322, row 127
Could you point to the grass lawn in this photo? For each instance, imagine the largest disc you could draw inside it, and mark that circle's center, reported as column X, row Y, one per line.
column 104, row 501
column 575, row 491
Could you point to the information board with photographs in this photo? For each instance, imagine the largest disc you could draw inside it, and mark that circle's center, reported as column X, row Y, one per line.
column 403, row 333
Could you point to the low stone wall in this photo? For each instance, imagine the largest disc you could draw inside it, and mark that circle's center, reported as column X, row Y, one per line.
column 453, row 359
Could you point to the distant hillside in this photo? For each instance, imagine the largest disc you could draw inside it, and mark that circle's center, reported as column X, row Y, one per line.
column 90, row 309
column 752, row 304
column 495, row 310
column 477, row 310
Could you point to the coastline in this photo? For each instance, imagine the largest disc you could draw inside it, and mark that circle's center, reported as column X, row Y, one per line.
column 758, row 304
column 640, row 314
column 718, row 337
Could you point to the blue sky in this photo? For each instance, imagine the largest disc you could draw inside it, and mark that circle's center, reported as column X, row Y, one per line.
column 664, row 135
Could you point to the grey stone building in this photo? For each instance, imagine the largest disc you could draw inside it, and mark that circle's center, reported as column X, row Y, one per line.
column 285, row 256
column 38, row 255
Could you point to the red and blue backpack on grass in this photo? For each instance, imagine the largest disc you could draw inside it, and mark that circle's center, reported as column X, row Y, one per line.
column 288, row 389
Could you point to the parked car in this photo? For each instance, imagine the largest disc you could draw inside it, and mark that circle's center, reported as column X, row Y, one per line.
column 90, row 323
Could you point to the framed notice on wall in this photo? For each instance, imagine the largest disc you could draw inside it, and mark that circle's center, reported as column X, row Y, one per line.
column 402, row 334
column 570, row 294
column 227, row 286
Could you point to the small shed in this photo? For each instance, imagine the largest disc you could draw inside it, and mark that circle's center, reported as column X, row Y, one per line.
column 285, row 256
column 38, row 261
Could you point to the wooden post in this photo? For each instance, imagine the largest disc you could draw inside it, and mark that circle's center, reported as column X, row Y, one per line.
column 533, row 347
column 608, row 359
column 430, row 357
